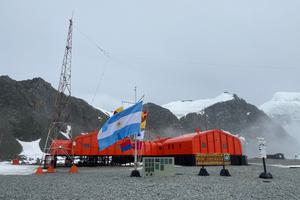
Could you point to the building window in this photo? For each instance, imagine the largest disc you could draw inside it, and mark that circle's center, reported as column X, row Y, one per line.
column 157, row 166
column 203, row 145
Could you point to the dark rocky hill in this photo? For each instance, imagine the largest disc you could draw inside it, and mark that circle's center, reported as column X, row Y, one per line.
column 236, row 116
column 26, row 109
column 161, row 122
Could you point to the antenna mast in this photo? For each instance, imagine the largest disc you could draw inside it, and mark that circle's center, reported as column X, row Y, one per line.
column 64, row 86
column 61, row 115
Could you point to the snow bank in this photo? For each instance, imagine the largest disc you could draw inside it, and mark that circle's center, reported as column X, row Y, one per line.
column 278, row 165
column 182, row 108
column 284, row 108
column 31, row 150
column 283, row 103
column 6, row 168
column 286, row 166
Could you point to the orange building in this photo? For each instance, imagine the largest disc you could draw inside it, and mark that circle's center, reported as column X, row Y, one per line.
column 183, row 148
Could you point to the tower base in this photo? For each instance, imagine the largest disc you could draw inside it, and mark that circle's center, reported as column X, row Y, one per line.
column 135, row 173
column 224, row 172
column 266, row 175
column 203, row 172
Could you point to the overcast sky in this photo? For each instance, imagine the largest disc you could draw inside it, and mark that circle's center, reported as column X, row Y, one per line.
column 171, row 50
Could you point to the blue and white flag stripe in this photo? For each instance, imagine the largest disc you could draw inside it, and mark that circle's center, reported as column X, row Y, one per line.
column 118, row 135
column 121, row 125
column 133, row 109
column 133, row 118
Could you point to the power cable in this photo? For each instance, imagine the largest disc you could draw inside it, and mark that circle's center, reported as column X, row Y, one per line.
column 100, row 81
column 102, row 50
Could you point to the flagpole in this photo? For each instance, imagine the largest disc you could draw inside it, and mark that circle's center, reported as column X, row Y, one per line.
column 135, row 137
column 135, row 172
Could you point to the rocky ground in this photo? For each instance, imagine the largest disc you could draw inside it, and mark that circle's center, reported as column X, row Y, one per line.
column 115, row 183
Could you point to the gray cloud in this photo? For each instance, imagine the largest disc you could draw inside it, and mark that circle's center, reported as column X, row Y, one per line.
column 170, row 49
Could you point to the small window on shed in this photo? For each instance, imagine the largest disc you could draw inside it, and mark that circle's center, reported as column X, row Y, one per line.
column 152, row 169
column 166, row 161
column 157, row 166
column 203, row 145
column 224, row 146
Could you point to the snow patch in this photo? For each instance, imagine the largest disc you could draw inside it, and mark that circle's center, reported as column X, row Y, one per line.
column 108, row 113
column 182, row 108
column 231, row 134
column 31, row 151
column 278, row 165
column 6, row 168
column 67, row 134
column 242, row 139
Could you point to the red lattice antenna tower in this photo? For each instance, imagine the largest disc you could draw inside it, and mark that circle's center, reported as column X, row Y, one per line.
column 61, row 115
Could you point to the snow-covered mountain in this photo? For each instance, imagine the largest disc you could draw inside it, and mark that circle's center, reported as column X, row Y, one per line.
column 182, row 108
column 232, row 113
column 284, row 108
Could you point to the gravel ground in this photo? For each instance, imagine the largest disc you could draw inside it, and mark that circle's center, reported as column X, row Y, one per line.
column 115, row 183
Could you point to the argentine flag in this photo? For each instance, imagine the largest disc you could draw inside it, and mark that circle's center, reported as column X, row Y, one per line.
column 121, row 125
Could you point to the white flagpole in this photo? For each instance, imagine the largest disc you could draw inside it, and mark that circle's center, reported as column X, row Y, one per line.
column 135, row 138
column 135, row 172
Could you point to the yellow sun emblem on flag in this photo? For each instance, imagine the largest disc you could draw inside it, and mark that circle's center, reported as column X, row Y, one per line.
column 119, row 124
